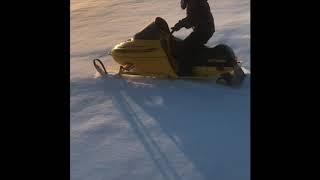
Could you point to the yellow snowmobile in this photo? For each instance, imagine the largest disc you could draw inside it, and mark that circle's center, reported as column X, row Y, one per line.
column 154, row 51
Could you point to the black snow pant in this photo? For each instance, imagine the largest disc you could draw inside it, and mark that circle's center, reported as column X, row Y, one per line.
column 190, row 48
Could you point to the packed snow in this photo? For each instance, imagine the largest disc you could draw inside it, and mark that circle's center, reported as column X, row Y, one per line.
column 137, row 128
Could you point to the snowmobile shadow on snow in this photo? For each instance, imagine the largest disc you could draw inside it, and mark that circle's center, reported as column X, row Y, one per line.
column 207, row 127
column 210, row 126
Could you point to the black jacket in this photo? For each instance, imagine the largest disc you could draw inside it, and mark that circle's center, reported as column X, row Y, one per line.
column 199, row 16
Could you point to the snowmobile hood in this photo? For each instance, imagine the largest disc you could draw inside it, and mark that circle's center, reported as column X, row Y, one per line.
column 138, row 48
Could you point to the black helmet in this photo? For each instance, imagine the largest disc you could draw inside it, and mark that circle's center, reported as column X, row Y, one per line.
column 183, row 4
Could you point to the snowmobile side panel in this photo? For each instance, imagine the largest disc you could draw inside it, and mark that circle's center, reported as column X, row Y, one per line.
column 147, row 57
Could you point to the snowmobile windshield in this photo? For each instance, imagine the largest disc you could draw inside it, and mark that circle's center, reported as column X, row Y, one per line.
column 150, row 32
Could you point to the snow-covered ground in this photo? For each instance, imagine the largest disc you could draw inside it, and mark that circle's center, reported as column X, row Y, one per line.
column 143, row 128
